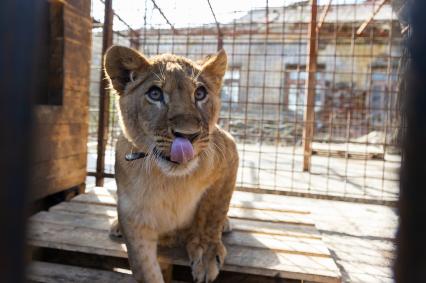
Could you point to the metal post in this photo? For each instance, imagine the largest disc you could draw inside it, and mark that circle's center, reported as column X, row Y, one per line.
column 311, row 68
column 104, row 97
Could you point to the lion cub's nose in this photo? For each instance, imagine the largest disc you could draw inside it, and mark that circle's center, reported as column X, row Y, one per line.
column 188, row 135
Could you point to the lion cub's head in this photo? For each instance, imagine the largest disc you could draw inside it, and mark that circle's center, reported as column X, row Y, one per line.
column 168, row 104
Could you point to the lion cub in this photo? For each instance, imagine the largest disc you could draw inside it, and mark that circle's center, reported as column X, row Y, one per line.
column 175, row 167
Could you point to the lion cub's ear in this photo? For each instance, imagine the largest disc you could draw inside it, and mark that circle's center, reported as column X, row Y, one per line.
column 120, row 61
column 214, row 67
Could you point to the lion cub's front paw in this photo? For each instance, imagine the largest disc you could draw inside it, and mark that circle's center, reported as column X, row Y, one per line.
column 115, row 231
column 206, row 260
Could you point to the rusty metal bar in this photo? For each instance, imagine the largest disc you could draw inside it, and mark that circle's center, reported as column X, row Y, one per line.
column 311, row 67
column 364, row 25
column 104, row 96
column 219, row 31
column 120, row 19
column 323, row 15
column 164, row 16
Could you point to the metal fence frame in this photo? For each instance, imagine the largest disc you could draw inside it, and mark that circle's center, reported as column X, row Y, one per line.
column 218, row 35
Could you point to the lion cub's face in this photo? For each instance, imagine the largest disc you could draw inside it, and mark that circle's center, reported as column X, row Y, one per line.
column 164, row 98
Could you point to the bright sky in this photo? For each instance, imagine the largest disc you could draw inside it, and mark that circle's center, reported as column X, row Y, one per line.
column 186, row 12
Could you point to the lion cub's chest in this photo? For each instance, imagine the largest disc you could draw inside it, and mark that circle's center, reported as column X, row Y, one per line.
column 166, row 208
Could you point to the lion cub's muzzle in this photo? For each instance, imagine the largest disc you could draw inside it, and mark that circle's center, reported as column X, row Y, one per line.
column 186, row 128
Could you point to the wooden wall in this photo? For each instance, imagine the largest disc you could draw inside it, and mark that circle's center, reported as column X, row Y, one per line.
column 61, row 130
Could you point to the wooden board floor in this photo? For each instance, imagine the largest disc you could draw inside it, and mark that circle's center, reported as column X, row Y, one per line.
column 268, row 240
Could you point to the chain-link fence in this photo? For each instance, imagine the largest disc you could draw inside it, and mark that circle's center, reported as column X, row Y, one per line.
column 346, row 52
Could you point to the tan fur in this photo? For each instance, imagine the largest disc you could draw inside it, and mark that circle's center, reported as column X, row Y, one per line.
column 159, row 200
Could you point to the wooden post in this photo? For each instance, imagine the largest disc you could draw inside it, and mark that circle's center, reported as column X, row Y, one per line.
column 311, row 68
column 104, row 97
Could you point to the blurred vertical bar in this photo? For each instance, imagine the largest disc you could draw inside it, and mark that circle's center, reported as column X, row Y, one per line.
column 410, row 264
column 20, row 28
column 311, row 68
column 104, row 97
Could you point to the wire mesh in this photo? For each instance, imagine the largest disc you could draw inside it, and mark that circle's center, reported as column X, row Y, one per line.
column 354, row 145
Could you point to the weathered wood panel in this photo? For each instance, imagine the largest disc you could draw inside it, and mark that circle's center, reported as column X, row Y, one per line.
column 54, row 273
column 60, row 158
column 280, row 242
column 248, row 260
column 234, row 212
column 58, row 173
column 239, row 199
column 248, row 238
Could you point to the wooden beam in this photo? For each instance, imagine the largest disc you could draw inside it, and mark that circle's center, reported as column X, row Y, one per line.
column 364, row 25
column 323, row 15
column 311, row 67
column 104, row 97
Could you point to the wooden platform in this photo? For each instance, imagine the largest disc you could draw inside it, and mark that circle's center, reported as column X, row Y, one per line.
column 349, row 150
column 267, row 241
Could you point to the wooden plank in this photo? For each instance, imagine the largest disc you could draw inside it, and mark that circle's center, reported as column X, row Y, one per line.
column 239, row 199
column 272, row 202
column 47, row 149
column 80, row 6
column 99, row 207
column 55, row 175
column 109, row 198
column 55, row 82
column 60, row 131
column 270, row 228
column 78, row 52
column 76, row 26
column 85, row 209
column 55, row 184
column 58, row 167
column 349, row 150
column 271, row 216
column 61, row 115
column 348, row 154
column 240, row 259
column 54, row 273
column 285, row 243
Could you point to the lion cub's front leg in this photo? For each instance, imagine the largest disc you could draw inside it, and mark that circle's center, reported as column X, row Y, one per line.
column 204, row 244
column 141, row 245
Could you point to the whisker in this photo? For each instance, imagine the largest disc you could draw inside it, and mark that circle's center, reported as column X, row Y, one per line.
column 219, row 149
column 157, row 76
column 163, row 141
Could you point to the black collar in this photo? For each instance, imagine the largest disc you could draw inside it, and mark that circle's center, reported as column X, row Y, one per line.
column 132, row 156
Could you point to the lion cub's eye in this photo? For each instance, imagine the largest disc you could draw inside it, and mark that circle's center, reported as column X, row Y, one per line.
column 155, row 93
column 200, row 93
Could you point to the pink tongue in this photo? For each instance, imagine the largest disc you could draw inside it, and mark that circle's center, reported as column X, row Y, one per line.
column 182, row 150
